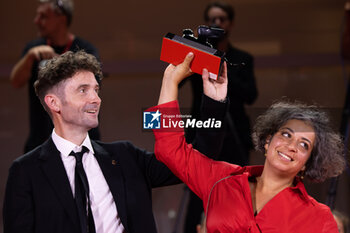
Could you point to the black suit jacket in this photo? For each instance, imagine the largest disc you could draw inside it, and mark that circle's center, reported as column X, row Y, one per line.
column 39, row 198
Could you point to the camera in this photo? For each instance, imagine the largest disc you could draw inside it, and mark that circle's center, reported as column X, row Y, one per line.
column 208, row 36
column 175, row 48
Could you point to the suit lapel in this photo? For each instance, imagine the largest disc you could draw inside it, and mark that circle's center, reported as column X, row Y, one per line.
column 112, row 172
column 52, row 166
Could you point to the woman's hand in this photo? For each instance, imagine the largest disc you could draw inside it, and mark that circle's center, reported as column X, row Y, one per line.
column 215, row 89
column 177, row 73
column 173, row 75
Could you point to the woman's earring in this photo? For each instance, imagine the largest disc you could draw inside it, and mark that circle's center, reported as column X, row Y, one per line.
column 302, row 173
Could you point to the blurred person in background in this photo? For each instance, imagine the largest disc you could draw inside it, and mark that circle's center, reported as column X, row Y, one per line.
column 201, row 228
column 342, row 221
column 53, row 19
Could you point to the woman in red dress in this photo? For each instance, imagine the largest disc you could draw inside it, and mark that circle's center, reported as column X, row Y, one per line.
column 297, row 141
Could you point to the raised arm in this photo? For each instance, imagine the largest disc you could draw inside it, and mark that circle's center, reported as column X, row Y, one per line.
column 192, row 167
column 210, row 141
column 21, row 72
column 173, row 75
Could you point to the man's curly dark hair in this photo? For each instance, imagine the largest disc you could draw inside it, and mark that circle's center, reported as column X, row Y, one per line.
column 64, row 67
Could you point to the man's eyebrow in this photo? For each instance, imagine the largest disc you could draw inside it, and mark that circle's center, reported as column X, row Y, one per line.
column 87, row 85
column 83, row 85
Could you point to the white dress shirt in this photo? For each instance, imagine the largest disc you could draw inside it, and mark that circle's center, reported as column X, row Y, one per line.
column 102, row 203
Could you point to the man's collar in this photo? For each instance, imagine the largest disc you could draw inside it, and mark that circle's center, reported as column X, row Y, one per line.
column 65, row 147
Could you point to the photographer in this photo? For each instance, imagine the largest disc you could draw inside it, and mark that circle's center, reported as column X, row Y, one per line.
column 241, row 90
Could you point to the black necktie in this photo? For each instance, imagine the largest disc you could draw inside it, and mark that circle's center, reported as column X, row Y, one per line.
column 82, row 194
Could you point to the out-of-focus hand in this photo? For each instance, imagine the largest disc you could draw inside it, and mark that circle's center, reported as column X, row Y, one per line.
column 215, row 89
column 347, row 5
column 42, row 52
column 21, row 72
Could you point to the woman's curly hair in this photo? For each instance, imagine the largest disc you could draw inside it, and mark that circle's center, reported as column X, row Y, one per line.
column 327, row 155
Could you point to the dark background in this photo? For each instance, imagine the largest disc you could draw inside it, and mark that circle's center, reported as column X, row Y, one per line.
column 296, row 45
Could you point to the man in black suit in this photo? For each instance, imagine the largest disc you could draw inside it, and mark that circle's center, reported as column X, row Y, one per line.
column 105, row 188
